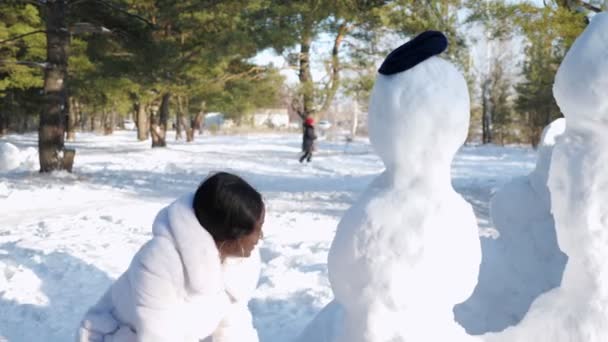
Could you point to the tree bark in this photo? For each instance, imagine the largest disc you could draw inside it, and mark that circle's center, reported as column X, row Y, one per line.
column 188, row 129
column 188, row 122
column 196, row 124
column 71, row 129
column 143, row 124
column 486, row 116
column 335, row 67
column 305, row 75
column 78, row 114
column 53, row 116
column 179, row 124
column 3, row 123
column 197, row 121
column 92, row 118
column 355, row 121
column 159, row 129
column 109, row 122
column 104, row 120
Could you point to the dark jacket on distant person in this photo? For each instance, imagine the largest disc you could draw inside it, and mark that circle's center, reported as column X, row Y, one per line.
column 309, row 137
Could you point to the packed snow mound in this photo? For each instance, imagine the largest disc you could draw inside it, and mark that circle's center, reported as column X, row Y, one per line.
column 29, row 159
column 525, row 260
column 11, row 158
column 582, row 79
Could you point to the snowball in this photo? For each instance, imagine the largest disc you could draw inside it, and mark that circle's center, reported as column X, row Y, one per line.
column 10, row 157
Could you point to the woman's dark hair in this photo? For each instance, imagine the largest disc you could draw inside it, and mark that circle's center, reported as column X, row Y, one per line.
column 227, row 206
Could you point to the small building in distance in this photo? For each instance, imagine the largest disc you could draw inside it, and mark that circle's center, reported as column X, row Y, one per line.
column 271, row 117
column 213, row 120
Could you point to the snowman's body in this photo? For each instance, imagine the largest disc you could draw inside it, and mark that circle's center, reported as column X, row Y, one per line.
column 578, row 182
column 409, row 250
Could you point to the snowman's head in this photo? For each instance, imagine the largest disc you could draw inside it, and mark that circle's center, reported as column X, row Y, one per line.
column 581, row 83
column 421, row 111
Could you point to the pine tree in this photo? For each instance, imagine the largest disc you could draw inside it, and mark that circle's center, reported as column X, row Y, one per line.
column 22, row 50
column 550, row 32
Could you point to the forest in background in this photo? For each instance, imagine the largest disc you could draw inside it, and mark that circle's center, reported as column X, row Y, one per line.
column 77, row 65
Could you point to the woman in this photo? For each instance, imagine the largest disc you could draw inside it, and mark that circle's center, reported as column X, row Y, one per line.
column 193, row 279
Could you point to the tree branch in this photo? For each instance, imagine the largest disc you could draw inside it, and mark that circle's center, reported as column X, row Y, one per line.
column 21, row 36
column 116, row 8
column 21, row 2
column 591, row 7
column 253, row 70
column 34, row 2
column 200, row 6
column 42, row 65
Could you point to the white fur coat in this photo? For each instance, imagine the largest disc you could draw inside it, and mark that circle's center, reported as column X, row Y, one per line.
column 176, row 289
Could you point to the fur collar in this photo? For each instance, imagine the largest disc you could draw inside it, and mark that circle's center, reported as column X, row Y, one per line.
column 198, row 252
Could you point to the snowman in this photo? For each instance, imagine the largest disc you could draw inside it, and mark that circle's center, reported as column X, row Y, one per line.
column 525, row 260
column 578, row 183
column 408, row 250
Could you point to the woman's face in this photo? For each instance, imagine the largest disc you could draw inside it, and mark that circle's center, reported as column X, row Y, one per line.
column 243, row 246
column 248, row 242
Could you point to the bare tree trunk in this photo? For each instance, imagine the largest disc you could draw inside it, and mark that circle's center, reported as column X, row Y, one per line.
column 187, row 122
column 486, row 116
column 355, row 121
column 104, row 120
column 159, row 129
column 335, row 67
column 305, row 108
column 179, row 119
column 3, row 123
column 23, row 124
column 96, row 121
column 109, row 122
column 71, row 130
column 143, row 124
column 305, row 74
column 53, row 116
column 197, row 122
column 92, row 122
column 83, row 117
column 78, row 117
column 187, row 128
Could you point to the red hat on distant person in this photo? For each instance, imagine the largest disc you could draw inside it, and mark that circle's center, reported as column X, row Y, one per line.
column 309, row 121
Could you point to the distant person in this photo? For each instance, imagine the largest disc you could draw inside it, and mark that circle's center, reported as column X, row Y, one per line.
column 308, row 140
column 192, row 280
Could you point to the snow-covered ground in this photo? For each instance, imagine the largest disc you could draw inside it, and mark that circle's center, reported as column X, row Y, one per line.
column 65, row 237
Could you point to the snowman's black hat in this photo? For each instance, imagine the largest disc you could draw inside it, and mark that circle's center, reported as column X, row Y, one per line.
column 417, row 50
